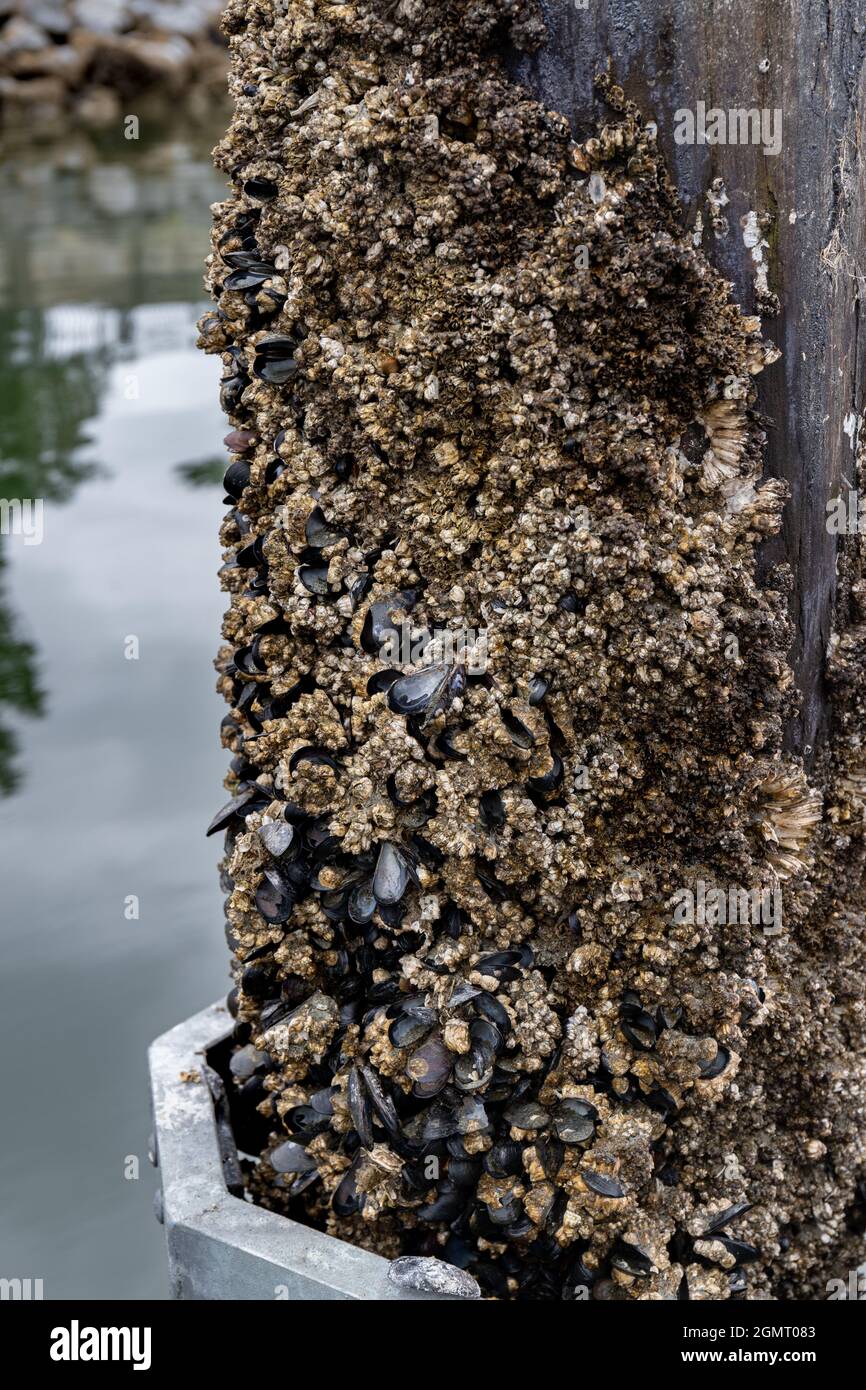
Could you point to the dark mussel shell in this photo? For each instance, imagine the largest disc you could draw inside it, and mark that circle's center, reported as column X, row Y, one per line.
column 710, row 1070
column 260, row 189
column 275, row 897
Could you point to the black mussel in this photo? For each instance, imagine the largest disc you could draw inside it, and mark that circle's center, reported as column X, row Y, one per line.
column 236, row 478
column 252, row 555
column 261, row 190
column 231, row 390
column 473, row 1069
column 246, row 1062
column 433, row 1123
column 631, row 1260
column 462, row 993
column 382, row 1102
column 549, row 781
column 490, row 1007
column 429, row 1067
column 464, row 1172
column 661, row 1101
column 275, row 897
column 502, row 965
column 319, row 532
column 243, row 260
column 291, row 1157
column 362, row 904
column 323, row 1100
column 314, row 579
column 602, row 1185
column 569, row 603
column 238, row 805
column 504, row 1159
column 551, row 1153
column 485, row 1034
column 538, row 688
column 520, row 735
column 574, row 1120
column 447, row 1205
column 441, row 746
column 306, row 1121
column 275, row 360
column 320, row 757
column 257, row 980
column 232, row 1001
column 724, row 1218
column 471, row 1116
column 421, row 691
column 452, row 920
column 526, row 1115
column 492, row 810
column 392, row 875
column 249, row 277
column 710, row 1070
column 638, row 1026
column 496, row 891
column 347, row 1200
column 360, row 1108
column 412, row 1025
column 380, row 683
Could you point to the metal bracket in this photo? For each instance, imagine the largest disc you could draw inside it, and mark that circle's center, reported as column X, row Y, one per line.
column 220, row 1246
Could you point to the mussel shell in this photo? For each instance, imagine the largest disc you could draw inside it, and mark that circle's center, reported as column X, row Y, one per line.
column 492, row 810
column 710, row 1070
column 275, row 897
column 260, row 189
column 574, row 1121
column 277, row 837
column 602, row 1185
column 429, row 1068
column 526, row 1115
column 291, row 1157
column 392, row 875
column 417, row 692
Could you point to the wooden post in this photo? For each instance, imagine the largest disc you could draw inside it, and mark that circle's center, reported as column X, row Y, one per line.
column 804, row 59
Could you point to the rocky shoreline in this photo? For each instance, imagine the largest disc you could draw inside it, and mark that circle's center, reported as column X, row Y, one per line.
column 85, row 58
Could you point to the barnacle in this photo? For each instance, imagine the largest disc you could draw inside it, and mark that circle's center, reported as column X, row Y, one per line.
column 789, row 812
column 459, row 985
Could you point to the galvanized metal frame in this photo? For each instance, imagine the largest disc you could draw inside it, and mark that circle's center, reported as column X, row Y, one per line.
column 221, row 1247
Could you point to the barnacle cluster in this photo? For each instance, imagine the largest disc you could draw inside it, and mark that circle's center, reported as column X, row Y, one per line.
column 485, row 392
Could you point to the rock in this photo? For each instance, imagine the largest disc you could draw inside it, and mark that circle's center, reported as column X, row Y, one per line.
column 21, row 35
column 101, row 16
column 98, row 107
column 429, row 1275
column 188, row 17
column 160, row 58
column 50, row 15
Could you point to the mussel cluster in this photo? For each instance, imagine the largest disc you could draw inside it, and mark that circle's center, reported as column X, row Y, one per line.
column 467, row 1023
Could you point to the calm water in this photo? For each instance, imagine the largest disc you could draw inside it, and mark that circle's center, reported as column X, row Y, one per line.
column 110, row 767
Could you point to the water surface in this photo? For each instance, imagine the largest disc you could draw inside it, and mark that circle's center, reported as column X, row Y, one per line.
column 110, row 767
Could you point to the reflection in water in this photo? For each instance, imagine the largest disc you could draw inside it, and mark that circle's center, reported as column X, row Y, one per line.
column 91, row 239
column 110, row 415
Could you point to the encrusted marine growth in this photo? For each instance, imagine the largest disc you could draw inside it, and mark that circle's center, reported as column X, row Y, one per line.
column 504, row 686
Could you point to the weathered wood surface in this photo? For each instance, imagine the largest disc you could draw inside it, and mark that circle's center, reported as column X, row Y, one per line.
column 806, row 58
